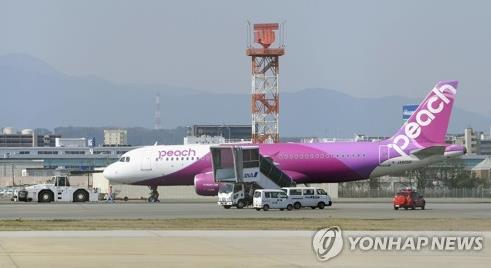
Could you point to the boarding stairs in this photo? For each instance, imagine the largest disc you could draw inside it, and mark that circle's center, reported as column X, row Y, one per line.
column 243, row 164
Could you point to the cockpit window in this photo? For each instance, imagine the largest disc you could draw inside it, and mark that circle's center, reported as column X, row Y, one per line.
column 124, row 159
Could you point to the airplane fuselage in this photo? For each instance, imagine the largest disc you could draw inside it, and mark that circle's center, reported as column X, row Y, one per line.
column 303, row 162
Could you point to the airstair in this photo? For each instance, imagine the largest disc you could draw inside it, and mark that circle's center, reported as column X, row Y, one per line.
column 240, row 169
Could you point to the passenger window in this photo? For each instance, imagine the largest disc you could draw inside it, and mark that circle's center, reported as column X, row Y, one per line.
column 274, row 195
column 308, row 192
column 295, row 192
column 321, row 192
column 267, row 195
column 283, row 195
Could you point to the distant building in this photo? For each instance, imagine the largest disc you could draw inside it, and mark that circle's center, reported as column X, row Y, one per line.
column 408, row 110
column 470, row 141
column 26, row 138
column 204, row 140
column 476, row 143
column 357, row 138
column 115, row 137
column 71, row 142
column 17, row 162
column 218, row 133
column 483, row 169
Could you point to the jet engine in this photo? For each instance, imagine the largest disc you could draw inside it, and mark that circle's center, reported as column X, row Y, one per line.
column 205, row 185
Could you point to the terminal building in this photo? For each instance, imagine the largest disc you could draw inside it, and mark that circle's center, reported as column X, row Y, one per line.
column 26, row 157
column 25, row 138
column 43, row 161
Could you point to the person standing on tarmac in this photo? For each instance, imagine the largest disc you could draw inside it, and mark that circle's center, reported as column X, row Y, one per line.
column 110, row 194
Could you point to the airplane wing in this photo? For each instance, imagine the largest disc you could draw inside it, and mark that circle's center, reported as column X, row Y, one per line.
column 429, row 151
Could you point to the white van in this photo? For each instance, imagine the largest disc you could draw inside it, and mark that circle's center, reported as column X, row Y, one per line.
column 266, row 199
column 308, row 197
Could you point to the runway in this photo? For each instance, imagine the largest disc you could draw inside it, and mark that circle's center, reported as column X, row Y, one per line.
column 216, row 249
column 211, row 210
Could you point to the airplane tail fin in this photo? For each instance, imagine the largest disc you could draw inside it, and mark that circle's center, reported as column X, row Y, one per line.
column 429, row 123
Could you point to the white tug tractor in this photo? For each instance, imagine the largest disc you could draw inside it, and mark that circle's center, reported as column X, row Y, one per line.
column 56, row 189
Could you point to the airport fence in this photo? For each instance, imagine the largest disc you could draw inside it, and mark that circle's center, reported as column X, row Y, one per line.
column 427, row 193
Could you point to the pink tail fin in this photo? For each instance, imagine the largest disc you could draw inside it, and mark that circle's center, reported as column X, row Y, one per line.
column 429, row 123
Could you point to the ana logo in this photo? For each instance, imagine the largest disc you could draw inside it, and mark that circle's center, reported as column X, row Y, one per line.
column 250, row 174
column 327, row 243
column 434, row 105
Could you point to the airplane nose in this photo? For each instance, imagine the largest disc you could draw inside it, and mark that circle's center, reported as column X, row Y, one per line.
column 108, row 172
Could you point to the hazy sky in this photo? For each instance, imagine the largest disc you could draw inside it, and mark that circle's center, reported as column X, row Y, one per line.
column 363, row 48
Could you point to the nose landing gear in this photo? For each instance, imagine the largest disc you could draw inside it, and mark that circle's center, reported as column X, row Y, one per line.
column 154, row 195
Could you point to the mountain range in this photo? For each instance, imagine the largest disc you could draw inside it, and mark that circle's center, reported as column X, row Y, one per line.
column 35, row 95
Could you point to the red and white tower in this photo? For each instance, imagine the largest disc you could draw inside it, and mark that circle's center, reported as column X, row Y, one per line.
column 265, row 72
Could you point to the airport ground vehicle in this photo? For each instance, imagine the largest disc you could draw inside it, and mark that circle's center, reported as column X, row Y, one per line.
column 56, row 189
column 266, row 199
column 235, row 194
column 408, row 198
column 308, row 197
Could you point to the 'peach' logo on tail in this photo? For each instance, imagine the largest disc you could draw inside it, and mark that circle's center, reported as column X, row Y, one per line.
column 435, row 104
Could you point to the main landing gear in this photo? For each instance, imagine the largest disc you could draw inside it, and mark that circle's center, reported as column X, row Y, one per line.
column 154, row 195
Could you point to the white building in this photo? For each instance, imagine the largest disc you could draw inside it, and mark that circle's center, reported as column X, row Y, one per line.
column 70, row 142
column 115, row 137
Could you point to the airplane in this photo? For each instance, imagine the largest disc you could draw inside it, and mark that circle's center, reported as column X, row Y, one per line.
column 419, row 142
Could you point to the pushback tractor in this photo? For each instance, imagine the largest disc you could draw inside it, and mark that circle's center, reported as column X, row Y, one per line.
column 55, row 190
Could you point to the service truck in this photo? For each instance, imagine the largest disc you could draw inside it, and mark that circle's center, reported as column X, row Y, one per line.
column 56, row 189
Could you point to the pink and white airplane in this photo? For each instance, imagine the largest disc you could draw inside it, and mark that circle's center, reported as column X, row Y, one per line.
column 419, row 142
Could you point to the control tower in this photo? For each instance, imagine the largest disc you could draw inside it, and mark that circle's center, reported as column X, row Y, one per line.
column 265, row 99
